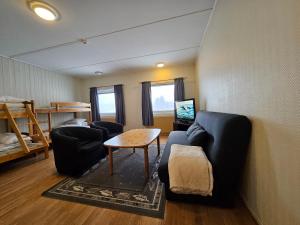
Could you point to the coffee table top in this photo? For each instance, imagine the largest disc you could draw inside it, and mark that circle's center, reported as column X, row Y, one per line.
column 133, row 138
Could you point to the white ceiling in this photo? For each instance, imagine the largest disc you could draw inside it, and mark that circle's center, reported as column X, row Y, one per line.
column 121, row 34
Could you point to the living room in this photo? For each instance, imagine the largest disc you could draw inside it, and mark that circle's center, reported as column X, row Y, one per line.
column 116, row 74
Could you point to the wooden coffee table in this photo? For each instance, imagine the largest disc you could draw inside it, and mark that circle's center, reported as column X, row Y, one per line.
column 136, row 138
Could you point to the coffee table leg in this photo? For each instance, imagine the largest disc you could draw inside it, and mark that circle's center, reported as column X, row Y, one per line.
column 110, row 161
column 158, row 146
column 146, row 162
column 133, row 150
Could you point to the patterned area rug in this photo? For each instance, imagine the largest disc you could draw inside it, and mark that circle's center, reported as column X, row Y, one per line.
column 126, row 190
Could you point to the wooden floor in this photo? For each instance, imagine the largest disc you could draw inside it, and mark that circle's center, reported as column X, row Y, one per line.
column 22, row 182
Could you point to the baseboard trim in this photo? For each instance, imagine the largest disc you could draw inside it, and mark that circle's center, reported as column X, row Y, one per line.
column 253, row 214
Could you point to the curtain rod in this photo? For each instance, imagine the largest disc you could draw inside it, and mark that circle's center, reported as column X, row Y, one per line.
column 107, row 86
column 153, row 81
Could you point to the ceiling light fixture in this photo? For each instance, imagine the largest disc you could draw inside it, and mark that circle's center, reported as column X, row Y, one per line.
column 98, row 73
column 83, row 41
column 160, row 65
column 44, row 10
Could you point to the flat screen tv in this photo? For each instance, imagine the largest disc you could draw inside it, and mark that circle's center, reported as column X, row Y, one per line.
column 185, row 110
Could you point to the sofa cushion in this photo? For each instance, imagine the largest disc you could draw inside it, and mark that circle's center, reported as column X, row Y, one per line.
column 192, row 128
column 197, row 137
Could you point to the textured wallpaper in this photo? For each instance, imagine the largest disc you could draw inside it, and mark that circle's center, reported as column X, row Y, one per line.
column 249, row 64
column 26, row 81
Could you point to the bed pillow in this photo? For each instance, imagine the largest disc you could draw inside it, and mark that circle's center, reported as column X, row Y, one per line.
column 197, row 137
column 11, row 99
column 76, row 121
column 8, row 138
column 73, row 125
column 11, row 138
column 2, row 99
column 85, row 124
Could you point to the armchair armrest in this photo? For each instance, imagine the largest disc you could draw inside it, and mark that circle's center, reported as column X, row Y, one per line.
column 64, row 141
column 110, row 126
column 117, row 127
column 104, row 130
column 94, row 134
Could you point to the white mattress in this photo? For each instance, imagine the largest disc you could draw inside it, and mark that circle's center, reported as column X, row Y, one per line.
column 12, row 148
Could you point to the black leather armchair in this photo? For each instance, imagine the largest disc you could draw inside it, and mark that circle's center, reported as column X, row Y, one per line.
column 109, row 129
column 76, row 149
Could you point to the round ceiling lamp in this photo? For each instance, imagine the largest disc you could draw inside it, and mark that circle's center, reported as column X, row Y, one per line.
column 160, row 65
column 44, row 10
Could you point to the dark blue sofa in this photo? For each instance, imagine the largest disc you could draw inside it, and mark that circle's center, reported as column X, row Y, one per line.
column 226, row 148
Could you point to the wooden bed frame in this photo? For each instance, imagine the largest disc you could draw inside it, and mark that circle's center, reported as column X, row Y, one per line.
column 23, row 110
column 65, row 107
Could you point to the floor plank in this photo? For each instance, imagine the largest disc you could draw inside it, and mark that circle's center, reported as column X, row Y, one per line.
column 23, row 181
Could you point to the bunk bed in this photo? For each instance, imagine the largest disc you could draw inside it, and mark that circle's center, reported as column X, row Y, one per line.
column 10, row 111
column 64, row 107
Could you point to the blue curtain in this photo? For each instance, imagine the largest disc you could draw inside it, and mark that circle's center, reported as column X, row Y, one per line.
column 120, row 105
column 94, row 103
column 178, row 89
column 147, row 112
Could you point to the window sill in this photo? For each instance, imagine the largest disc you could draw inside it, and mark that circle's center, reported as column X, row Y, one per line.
column 164, row 114
column 107, row 115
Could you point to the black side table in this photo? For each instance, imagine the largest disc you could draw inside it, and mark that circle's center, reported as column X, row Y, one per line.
column 179, row 125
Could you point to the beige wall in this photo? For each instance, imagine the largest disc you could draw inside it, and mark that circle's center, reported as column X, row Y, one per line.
column 249, row 64
column 165, row 123
column 133, row 90
column 21, row 80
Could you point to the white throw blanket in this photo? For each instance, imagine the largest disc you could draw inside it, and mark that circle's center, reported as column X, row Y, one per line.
column 190, row 172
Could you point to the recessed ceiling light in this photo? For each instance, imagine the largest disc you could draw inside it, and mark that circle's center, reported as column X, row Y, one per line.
column 160, row 65
column 44, row 10
column 98, row 73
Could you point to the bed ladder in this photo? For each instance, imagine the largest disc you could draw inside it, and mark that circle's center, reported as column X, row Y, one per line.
column 34, row 123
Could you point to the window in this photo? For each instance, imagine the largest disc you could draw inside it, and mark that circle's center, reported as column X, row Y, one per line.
column 106, row 98
column 162, row 98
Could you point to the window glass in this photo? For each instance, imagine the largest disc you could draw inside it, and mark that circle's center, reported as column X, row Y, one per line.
column 107, row 103
column 162, row 98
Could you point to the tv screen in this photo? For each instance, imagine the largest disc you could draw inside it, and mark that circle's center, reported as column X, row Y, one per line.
column 185, row 110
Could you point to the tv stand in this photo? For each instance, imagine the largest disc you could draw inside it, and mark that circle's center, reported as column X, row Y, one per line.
column 181, row 125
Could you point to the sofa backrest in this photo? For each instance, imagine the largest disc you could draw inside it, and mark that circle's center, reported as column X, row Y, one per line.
column 227, row 145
